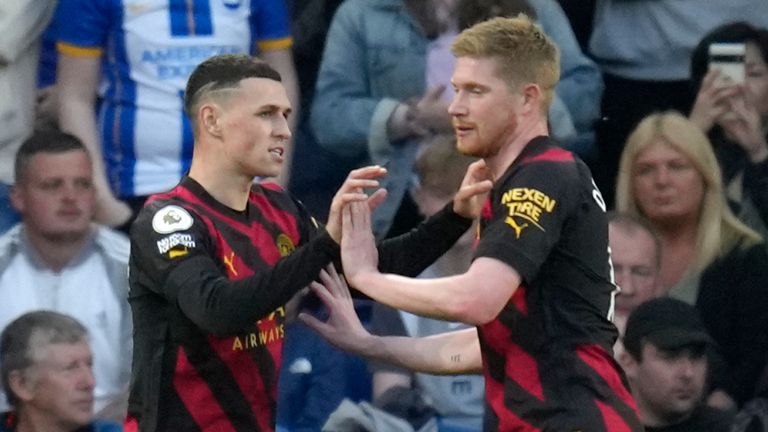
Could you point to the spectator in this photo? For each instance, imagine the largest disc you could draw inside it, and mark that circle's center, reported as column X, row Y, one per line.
column 636, row 255
column 316, row 376
column 385, row 74
column 666, row 364
column 47, row 373
column 215, row 260
column 21, row 24
column 457, row 400
column 669, row 175
column 644, row 48
column 144, row 54
column 55, row 258
column 735, row 118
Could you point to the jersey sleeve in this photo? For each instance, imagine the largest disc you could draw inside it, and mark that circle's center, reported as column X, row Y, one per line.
column 172, row 252
column 83, row 26
column 528, row 212
column 270, row 25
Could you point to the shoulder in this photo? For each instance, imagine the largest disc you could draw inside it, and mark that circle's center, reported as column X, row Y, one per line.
column 546, row 168
column 713, row 419
column 363, row 8
column 10, row 239
column 114, row 243
column 164, row 215
column 105, row 426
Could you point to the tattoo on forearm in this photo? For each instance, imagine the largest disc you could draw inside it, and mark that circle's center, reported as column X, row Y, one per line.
column 456, row 358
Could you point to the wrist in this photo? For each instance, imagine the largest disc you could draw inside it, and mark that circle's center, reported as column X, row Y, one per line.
column 760, row 152
column 399, row 122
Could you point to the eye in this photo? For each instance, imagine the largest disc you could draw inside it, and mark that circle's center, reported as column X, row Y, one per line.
column 84, row 183
column 679, row 165
column 50, row 185
column 265, row 114
column 644, row 170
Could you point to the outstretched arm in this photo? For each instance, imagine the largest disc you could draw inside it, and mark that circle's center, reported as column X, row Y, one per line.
column 454, row 352
column 473, row 297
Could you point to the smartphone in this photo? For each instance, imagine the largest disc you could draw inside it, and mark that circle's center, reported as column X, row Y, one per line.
column 728, row 58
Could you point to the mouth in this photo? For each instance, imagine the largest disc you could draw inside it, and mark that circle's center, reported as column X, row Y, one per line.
column 277, row 151
column 69, row 213
column 462, row 129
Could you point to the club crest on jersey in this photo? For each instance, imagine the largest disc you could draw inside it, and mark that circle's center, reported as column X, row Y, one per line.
column 284, row 245
column 526, row 207
column 171, row 219
column 232, row 4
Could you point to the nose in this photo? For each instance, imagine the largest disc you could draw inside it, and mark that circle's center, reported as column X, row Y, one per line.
column 624, row 280
column 686, row 367
column 69, row 191
column 458, row 106
column 87, row 380
column 662, row 176
column 281, row 129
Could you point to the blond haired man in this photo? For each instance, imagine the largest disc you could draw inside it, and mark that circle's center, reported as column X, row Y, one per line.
column 539, row 290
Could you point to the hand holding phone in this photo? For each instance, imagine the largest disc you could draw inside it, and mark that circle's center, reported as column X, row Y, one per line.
column 728, row 59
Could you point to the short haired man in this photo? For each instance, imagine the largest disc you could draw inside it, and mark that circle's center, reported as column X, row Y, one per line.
column 665, row 360
column 57, row 259
column 47, row 373
column 539, row 289
column 214, row 260
column 636, row 257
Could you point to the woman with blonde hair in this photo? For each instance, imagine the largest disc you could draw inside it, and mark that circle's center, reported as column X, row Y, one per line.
column 669, row 175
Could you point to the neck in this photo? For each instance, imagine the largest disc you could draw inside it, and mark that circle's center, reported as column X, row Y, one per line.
column 678, row 251
column 35, row 422
column 649, row 418
column 509, row 152
column 225, row 187
column 57, row 251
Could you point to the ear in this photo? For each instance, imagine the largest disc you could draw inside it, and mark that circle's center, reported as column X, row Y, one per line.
column 628, row 363
column 17, row 199
column 532, row 96
column 21, row 385
column 209, row 119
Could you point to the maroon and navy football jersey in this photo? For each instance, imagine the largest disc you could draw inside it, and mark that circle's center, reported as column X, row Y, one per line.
column 208, row 359
column 547, row 356
column 207, row 289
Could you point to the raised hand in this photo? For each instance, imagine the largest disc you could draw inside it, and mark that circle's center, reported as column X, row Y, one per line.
column 343, row 328
column 352, row 190
column 711, row 101
column 744, row 125
column 470, row 198
column 431, row 111
column 358, row 245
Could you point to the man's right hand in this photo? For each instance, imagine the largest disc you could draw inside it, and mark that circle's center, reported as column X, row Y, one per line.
column 353, row 189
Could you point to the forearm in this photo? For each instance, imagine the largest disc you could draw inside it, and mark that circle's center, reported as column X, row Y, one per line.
column 411, row 253
column 455, row 352
column 76, row 82
column 22, row 23
column 442, row 298
column 221, row 306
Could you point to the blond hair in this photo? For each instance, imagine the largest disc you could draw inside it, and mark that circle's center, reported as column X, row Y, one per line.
column 523, row 52
column 718, row 229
